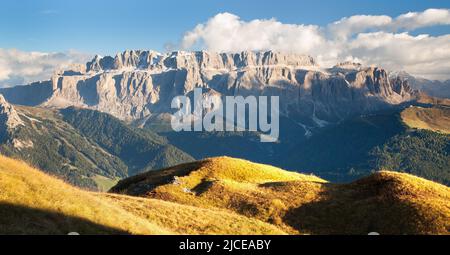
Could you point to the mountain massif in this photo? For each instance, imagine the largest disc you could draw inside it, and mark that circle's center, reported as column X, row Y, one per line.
column 135, row 85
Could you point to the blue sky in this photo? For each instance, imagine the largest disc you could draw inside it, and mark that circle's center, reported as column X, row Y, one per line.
column 109, row 26
column 38, row 37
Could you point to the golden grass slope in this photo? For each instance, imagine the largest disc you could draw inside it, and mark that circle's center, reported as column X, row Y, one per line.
column 426, row 99
column 386, row 202
column 222, row 196
column 32, row 202
column 436, row 119
column 183, row 219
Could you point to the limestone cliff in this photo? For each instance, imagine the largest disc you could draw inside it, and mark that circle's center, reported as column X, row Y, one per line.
column 134, row 85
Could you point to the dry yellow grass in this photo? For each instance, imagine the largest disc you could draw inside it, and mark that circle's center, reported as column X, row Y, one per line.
column 386, row 202
column 184, row 219
column 426, row 99
column 435, row 119
column 236, row 185
column 32, row 202
column 222, row 196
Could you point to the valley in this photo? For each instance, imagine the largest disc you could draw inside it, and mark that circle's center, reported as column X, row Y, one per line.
column 94, row 150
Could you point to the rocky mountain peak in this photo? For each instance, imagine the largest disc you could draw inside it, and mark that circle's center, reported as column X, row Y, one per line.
column 150, row 60
column 136, row 84
column 9, row 118
column 347, row 67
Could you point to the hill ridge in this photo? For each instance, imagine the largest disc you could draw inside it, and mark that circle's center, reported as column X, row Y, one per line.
column 385, row 202
column 32, row 202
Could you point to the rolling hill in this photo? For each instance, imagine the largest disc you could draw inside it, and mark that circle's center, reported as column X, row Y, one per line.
column 385, row 202
column 32, row 202
column 436, row 119
column 222, row 196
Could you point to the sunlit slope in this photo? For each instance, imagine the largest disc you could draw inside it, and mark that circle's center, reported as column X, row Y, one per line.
column 222, row 196
column 32, row 202
column 435, row 119
column 184, row 219
column 386, row 202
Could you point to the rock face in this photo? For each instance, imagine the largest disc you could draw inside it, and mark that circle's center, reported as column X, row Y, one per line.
column 9, row 119
column 433, row 88
column 134, row 85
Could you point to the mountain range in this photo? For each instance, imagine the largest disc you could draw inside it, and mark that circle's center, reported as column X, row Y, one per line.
column 433, row 88
column 136, row 85
column 109, row 119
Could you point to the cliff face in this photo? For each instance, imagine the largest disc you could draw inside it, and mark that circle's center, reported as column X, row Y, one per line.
column 9, row 119
column 136, row 84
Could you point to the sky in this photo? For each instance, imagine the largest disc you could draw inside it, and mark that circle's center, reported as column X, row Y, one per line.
column 37, row 36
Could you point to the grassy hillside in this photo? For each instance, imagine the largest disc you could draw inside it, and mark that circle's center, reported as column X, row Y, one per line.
column 222, row 196
column 386, row 202
column 436, row 119
column 51, row 144
column 32, row 202
column 430, row 101
column 86, row 148
column 139, row 149
column 354, row 148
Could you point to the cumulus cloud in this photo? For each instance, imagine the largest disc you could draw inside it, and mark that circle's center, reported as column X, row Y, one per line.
column 370, row 39
column 349, row 26
column 430, row 17
column 355, row 24
column 22, row 67
column 226, row 32
column 421, row 55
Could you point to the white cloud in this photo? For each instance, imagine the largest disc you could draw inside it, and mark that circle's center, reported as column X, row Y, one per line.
column 226, row 32
column 422, row 55
column 21, row 67
column 356, row 24
column 372, row 40
column 430, row 17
